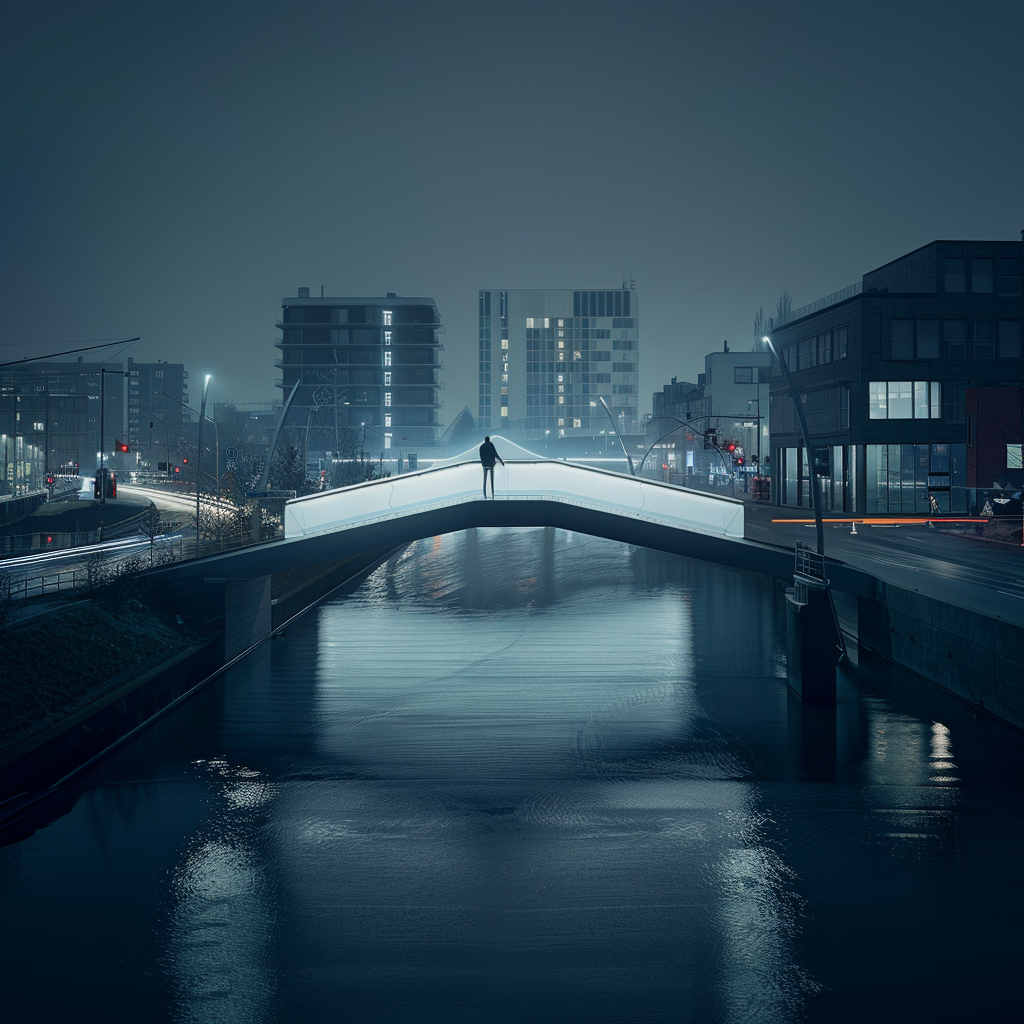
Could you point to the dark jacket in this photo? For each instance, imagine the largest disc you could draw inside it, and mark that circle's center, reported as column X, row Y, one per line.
column 488, row 453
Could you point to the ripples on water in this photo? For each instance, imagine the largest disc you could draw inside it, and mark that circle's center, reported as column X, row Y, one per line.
column 526, row 775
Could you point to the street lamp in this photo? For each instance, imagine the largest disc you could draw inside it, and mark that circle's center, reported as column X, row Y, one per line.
column 167, row 442
column 819, row 526
column 199, row 455
column 629, row 458
column 686, row 423
column 103, row 483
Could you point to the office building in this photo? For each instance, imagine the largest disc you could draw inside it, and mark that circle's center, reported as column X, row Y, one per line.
column 359, row 366
column 730, row 398
column 548, row 357
column 76, row 379
column 157, row 396
column 911, row 381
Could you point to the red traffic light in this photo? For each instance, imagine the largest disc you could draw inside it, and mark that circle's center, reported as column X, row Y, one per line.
column 123, row 448
column 185, row 461
column 731, row 446
column 177, row 469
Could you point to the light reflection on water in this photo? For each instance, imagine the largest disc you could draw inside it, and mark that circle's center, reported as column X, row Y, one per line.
column 531, row 775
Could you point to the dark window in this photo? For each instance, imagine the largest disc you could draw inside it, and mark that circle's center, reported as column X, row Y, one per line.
column 576, row 304
column 1008, row 281
column 625, row 304
column 618, row 304
column 1009, row 339
column 956, row 275
column 984, row 339
column 743, row 375
column 954, row 333
column 901, row 339
column 927, row 339
column 981, row 275
column 839, row 342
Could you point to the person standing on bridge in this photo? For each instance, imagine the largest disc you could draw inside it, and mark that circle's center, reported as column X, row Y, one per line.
column 488, row 453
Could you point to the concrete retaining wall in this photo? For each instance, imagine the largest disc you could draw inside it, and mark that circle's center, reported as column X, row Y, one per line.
column 974, row 656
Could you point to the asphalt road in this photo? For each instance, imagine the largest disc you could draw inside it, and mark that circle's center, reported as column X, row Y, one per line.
column 967, row 571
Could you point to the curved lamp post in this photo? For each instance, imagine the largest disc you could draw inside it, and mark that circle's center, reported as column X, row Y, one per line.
column 615, row 427
column 685, row 423
column 815, row 489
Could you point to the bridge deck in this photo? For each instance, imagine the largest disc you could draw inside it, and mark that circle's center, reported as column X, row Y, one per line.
column 631, row 497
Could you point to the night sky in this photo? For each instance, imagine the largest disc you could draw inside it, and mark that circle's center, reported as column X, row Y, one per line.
column 171, row 170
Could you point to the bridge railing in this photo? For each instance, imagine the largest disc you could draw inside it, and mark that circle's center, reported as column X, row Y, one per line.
column 604, row 491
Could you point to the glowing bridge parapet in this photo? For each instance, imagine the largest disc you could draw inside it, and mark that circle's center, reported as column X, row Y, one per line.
column 630, row 497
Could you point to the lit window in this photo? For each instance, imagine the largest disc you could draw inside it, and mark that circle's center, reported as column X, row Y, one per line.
column 561, row 389
column 577, row 354
column 387, row 440
column 387, row 358
column 504, row 343
column 38, row 426
column 387, row 317
column 561, row 334
column 387, row 398
column 561, row 399
column 529, row 322
column 1013, row 457
column 387, row 378
column 504, row 391
column 560, row 378
column 577, row 422
column 547, row 321
column 561, row 323
column 561, row 433
column 504, row 378
column 387, row 419
column 387, row 337
column 504, row 410
column 561, row 421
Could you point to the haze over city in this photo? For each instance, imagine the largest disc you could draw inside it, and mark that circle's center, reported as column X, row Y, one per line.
column 173, row 170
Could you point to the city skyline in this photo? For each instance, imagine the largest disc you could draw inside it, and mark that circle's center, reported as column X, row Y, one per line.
column 171, row 172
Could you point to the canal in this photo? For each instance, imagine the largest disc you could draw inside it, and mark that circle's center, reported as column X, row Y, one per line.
column 531, row 775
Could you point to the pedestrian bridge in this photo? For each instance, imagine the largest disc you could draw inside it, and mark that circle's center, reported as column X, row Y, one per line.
column 564, row 488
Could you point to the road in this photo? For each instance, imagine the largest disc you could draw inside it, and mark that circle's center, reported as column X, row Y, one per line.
column 964, row 570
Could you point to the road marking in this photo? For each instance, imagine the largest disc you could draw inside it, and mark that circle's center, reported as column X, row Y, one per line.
column 1020, row 597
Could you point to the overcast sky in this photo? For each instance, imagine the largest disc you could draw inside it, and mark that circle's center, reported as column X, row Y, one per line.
column 172, row 170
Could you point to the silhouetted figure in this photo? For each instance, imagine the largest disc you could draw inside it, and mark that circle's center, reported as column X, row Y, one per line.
column 488, row 453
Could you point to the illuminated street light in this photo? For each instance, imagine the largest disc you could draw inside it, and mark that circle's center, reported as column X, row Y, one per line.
column 819, row 527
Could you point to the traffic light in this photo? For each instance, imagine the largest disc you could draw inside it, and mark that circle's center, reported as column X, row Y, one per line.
column 120, row 445
column 711, row 437
column 177, row 469
column 730, row 447
column 738, row 460
column 185, row 461
column 49, row 480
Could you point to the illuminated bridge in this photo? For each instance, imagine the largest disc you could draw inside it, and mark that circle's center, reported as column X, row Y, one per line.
column 363, row 523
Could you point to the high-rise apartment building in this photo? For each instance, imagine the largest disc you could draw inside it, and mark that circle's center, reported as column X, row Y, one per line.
column 547, row 357
column 366, row 364
column 157, row 393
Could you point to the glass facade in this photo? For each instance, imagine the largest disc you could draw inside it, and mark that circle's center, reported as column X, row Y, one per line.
column 901, row 477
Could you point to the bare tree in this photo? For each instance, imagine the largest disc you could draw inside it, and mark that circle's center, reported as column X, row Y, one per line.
column 760, row 330
column 783, row 308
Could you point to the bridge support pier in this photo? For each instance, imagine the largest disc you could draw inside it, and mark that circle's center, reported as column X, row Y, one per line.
column 812, row 644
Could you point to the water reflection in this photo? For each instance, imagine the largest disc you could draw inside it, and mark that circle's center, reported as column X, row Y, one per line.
column 531, row 775
column 221, row 916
